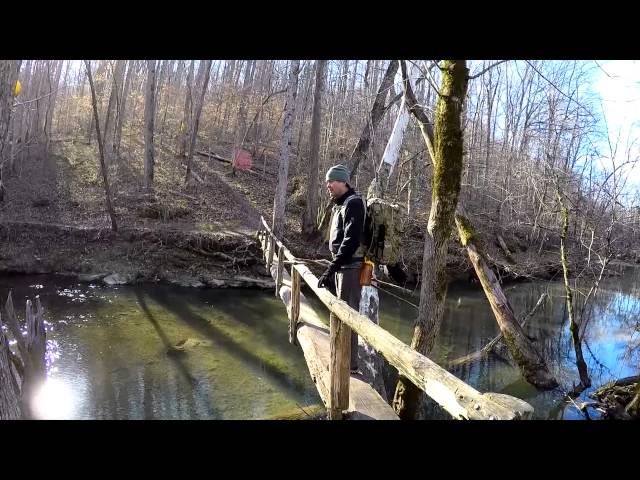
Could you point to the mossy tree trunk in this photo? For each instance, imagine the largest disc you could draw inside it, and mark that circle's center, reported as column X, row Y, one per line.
column 447, row 175
column 574, row 327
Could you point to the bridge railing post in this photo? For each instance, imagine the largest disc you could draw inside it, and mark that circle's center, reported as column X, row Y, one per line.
column 280, row 271
column 270, row 248
column 340, row 352
column 294, row 314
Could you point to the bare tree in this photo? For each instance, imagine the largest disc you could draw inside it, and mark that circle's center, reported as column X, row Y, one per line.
column 204, row 71
column 185, row 125
column 448, row 141
column 311, row 211
column 122, row 110
column 8, row 76
column 279, row 201
column 149, row 118
column 105, row 179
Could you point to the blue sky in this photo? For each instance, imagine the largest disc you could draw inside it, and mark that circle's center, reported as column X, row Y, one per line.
column 617, row 83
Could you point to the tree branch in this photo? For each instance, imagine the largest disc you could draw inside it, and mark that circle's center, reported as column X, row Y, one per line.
column 486, row 69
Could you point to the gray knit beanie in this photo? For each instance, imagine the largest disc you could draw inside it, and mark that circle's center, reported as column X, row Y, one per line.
column 338, row 172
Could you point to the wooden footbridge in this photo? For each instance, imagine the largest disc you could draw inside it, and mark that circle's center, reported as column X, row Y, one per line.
column 326, row 351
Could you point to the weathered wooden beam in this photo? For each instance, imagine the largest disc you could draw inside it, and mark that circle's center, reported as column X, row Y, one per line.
column 458, row 398
column 280, row 269
column 271, row 251
column 294, row 311
column 340, row 351
column 312, row 335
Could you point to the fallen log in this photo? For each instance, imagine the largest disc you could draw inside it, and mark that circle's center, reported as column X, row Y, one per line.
column 530, row 362
column 488, row 348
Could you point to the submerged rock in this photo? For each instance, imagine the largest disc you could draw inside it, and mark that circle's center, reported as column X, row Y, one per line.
column 85, row 277
column 242, row 281
column 187, row 282
column 117, row 279
column 186, row 344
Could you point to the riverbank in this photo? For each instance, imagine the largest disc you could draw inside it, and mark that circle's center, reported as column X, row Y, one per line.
column 53, row 220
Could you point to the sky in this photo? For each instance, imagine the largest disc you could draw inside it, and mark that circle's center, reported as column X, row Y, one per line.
column 617, row 83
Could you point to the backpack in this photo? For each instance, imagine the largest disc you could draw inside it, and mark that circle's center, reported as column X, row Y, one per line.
column 382, row 231
column 380, row 241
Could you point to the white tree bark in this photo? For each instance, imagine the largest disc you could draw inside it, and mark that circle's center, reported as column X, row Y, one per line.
column 279, row 201
column 369, row 298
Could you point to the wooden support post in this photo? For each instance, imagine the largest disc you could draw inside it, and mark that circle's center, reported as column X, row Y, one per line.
column 270, row 249
column 280, row 269
column 265, row 247
column 294, row 314
column 340, row 352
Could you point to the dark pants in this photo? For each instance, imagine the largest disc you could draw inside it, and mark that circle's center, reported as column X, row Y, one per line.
column 349, row 289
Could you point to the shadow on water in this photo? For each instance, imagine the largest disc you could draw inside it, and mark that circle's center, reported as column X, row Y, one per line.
column 208, row 329
column 116, row 355
column 182, row 368
column 468, row 324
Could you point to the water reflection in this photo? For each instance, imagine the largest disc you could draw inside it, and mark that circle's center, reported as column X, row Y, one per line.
column 610, row 334
column 113, row 348
column 54, row 400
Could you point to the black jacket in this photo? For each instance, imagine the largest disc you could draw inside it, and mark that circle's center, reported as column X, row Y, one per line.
column 345, row 237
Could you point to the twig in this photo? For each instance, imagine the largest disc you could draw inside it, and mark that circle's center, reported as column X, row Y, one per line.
column 471, row 77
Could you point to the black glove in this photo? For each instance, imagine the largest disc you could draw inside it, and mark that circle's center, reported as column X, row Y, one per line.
column 328, row 279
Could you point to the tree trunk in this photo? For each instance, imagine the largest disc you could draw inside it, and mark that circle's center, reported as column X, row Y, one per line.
column 573, row 326
column 311, row 212
column 122, row 114
column 204, row 70
column 51, row 104
column 99, row 88
column 105, row 179
column 8, row 77
column 149, row 117
column 23, row 115
column 370, row 301
column 279, row 201
column 9, row 389
column 448, row 143
column 185, row 125
column 377, row 111
column 241, row 124
column 113, row 109
column 360, row 151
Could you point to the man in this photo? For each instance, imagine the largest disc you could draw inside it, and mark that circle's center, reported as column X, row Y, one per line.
column 347, row 226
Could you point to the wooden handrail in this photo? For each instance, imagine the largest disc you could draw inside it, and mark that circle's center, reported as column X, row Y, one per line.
column 457, row 397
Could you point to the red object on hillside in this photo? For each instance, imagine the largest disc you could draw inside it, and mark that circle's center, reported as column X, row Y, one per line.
column 242, row 160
